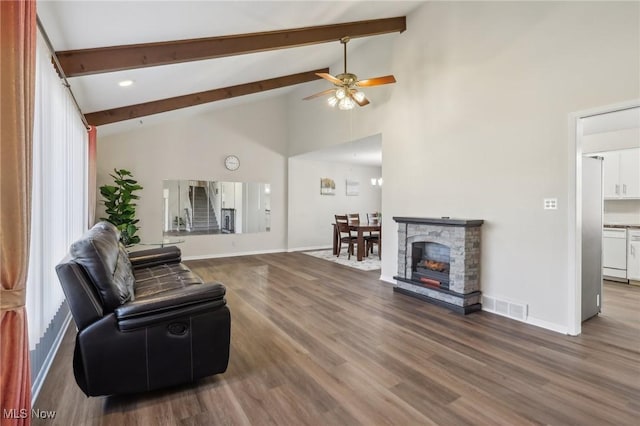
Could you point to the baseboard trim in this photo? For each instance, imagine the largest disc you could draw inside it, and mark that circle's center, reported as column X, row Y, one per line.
column 388, row 279
column 244, row 253
column 563, row 329
column 308, row 248
column 44, row 371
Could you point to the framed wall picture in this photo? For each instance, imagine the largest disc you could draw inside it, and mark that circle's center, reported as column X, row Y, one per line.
column 353, row 187
column 327, row 186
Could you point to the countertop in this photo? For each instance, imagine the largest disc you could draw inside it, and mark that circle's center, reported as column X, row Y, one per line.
column 622, row 225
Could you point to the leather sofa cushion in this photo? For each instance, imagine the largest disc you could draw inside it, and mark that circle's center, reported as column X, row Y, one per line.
column 99, row 253
column 158, row 279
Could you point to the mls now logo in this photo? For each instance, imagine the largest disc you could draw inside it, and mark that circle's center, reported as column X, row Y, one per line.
column 37, row 413
column 23, row 413
column 14, row 413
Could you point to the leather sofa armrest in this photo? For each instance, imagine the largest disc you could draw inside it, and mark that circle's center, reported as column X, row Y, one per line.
column 164, row 305
column 156, row 256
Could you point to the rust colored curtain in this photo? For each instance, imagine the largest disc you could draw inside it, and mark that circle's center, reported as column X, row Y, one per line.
column 92, row 196
column 17, row 76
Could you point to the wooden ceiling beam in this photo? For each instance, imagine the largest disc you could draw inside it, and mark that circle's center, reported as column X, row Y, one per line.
column 117, row 58
column 154, row 107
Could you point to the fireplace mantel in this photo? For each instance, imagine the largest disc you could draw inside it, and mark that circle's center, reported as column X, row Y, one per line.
column 453, row 246
column 442, row 221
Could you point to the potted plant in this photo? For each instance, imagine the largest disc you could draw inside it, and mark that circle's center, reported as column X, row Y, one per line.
column 119, row 205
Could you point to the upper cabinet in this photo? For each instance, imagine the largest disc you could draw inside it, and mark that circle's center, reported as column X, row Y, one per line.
column 621, row 174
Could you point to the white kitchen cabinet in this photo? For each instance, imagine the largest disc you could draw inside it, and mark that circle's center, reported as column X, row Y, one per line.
column 621, row 174
column 633, row 255
column 611, row 174
column 630, row 173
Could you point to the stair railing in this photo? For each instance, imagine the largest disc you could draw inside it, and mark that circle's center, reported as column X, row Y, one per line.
column 213, row 198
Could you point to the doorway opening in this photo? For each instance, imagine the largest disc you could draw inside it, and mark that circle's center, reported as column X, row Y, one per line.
column 593, row 132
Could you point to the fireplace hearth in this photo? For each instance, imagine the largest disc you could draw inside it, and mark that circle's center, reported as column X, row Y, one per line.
column 439, row 261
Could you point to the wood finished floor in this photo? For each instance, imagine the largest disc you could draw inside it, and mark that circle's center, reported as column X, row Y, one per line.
column 321, row 344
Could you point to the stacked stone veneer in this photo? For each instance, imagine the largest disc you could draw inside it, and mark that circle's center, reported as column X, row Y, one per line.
column 463, row 239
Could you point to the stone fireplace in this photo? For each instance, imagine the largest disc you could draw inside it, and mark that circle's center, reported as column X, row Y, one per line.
column 439, row 261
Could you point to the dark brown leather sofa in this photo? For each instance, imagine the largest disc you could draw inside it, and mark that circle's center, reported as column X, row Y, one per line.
column 144, row 320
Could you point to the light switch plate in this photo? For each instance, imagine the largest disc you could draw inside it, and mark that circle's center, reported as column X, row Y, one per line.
column 551, row 204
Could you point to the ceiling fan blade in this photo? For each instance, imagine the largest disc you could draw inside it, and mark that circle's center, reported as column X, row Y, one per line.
column 324, row 92
column 359, row 98
column 329, row 77
column 377, row 81
column 363, row 102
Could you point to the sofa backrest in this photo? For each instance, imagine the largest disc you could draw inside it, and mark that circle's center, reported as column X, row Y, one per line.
column 81, row 294
column 106, row 264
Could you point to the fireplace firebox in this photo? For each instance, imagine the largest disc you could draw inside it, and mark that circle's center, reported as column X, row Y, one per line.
column 430, row 264
column 439, row 261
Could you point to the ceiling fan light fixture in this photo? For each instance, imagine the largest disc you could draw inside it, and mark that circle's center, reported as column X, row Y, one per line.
column 341, row 93
column 346, row 104
column 332, row 101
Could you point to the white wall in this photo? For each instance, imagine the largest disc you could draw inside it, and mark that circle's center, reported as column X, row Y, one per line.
column 311, row 214
column 477, row 127
column 194, row 148
column 622, row 212
column 611, row 131
column 611, row 141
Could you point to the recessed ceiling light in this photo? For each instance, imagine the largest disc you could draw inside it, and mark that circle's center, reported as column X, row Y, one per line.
column 125, row 83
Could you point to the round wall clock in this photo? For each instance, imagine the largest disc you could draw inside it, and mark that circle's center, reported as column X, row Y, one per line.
column 232, row 162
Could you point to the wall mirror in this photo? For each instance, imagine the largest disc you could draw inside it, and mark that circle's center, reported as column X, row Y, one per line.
column 198, row 207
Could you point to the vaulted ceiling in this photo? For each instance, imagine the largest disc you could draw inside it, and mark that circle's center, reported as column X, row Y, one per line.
column 182, row 53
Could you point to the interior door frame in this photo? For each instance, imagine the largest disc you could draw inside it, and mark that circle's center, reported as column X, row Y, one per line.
column 574, row 319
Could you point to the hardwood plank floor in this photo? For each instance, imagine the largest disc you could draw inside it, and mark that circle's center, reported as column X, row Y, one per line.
column 316, row 343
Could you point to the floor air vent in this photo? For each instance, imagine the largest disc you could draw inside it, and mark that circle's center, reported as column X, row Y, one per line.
column 503, row 307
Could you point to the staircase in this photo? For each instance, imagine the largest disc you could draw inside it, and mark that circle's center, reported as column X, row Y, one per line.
column 204, row 217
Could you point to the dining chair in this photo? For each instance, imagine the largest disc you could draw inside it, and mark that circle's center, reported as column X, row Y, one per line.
column 374, row 237
column 353, row 218
column 344, row 235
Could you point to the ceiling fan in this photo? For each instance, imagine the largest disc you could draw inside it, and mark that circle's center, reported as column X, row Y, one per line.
column 345, row 93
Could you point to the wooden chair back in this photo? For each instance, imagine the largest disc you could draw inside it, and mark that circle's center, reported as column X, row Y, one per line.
column 342, row 222
column 343, row 234
column 373, row 218
column 353, row 218
column 374, row 237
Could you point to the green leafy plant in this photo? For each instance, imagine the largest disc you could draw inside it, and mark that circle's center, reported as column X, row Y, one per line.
column 119, row 205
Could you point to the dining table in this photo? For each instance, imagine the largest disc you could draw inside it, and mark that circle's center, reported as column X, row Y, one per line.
column 360, row 230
